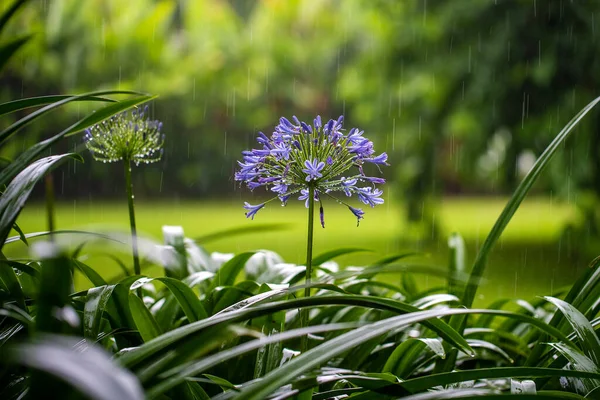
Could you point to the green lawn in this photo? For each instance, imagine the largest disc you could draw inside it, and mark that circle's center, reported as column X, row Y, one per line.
column 527, row 261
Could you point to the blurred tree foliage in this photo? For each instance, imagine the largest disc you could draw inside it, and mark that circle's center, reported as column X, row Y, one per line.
column 463, row 95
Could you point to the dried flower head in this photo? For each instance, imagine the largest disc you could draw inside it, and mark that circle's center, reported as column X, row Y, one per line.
column 298, row 156
column 126, row 136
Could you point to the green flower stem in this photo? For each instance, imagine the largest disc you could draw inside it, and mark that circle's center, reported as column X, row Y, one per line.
column 308, row 273
column 134, row 243
column 49, row 183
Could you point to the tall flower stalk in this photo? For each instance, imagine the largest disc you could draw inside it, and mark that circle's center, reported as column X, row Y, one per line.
column 314, row 161
column 128, row 137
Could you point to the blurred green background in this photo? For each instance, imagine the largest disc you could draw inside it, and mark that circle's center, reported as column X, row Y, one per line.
column 462, row 95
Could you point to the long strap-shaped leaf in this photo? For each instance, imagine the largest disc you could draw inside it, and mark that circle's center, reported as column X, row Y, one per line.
column 10, row 12
column 588, row 340
column 179, row 373
column 92, row 372
column 341, row 344
column 5, row 134
column 16, row 194
column 172, row 339
column 34, row 151
column 31, row 102
column 426, row 382
column 8, row 49
column 513, row 204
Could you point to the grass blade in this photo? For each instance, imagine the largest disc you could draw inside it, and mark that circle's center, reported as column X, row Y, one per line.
column 514, row 202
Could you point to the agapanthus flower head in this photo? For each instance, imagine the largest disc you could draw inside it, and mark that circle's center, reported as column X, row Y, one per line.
column 129, row 136
column 322, row 157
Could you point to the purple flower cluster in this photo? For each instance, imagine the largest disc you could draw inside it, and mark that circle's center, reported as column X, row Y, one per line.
column 299, row 156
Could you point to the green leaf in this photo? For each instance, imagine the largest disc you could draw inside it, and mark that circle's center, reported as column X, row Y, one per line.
column 89, row 273
column 328, row 255
column 435, row 345
column 187, row 299
column 54, row 311
column 172, row 339
column 16, row 194
column 21, row 123
column 396, row 257
column 144, row 321
column 34, row 151
column 22, row 236
column 10, row 11
column 429, row 381
column 9, row 278
column 325, row 352
column 95, row 304
column 226, row 296
column 118, row 305
column 229, row 271
column 434, row 300
column 488, row 394
column 179, row 373
column 243, row 230
column 514, row 202
column 399, row 354
column 579, row 362
column 476, row 343
column 223, row 383
column 8, row 49
column 13, row 239
column 30, row 102
column 16, row 313
column 582, row 327
column 92, row 372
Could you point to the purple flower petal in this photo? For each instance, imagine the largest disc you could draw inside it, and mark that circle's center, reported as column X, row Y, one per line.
column 252, row 210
